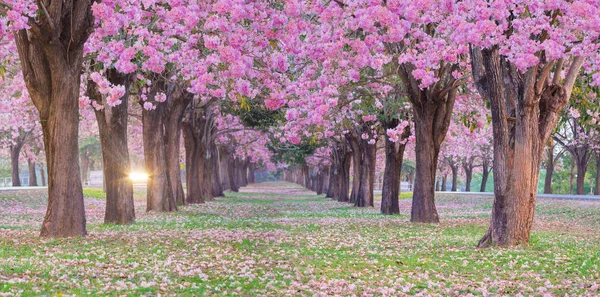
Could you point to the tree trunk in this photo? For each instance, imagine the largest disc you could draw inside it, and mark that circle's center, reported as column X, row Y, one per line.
column 431, row 124
column 85, row 166
column 485, row 176
column 437, row 184
column 581, row 171
column 51, row 55
column 251, row 168
column 233, row 185
column 525, row 109
column 549, row 170
column 597, row 185
column 468, row 176
column 198, row 160
column 177, row 103
column 332, row 179
column 216, row 177
column 112, row 127
column 572, row 175
column 357, row 163
column 394, row 154
column 32, row 175
column 454, row 177
column 43, row 175
column 306, row 176
column 160, row 193
column 15, row 152
column 444, row 182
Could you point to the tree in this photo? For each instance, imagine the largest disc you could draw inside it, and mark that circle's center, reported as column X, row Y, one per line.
column 525, row 98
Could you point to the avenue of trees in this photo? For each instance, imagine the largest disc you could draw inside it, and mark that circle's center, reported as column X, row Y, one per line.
column 339, row 96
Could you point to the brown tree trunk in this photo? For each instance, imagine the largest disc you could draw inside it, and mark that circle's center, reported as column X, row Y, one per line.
column 231, row 172
column 43, row 174
column 306, row 176
column 177, row 103
column 432, row 120
column 332, row 179
column 357, row 163
column 549, row 170
column 216, row 171
column 367, row 180
column 251, row 168
column 85, row 166
column 525, row 110
column 437, row 184
column 454, row 169
column 581, row 171
column 32, row 175
column 597, row 185
column 485, row 176
column 160, row 193
column 198, row 159
column 51, row 55
column 394, row 154
column 468, row 167
column 112, row 127
column 444, row 182
column 572, row 175
column 15, row 152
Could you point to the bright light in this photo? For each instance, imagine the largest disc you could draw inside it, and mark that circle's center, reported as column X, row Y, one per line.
column 138, row 176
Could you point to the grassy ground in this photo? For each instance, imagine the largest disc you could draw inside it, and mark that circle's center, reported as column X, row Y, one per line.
column 280, row 240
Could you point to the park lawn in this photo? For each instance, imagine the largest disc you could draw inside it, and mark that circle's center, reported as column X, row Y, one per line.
column 279, row 240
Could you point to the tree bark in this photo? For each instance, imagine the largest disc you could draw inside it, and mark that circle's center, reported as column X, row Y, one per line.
column 43, row 175
column 525, row 109
column 85, row 166
column 51, row 54
column 160, row 193
column 485, row 175
column 177, row 102
column 468, row 167
column 394, row 154
column 454, row 169
column 549, row 170
column 444, row 184
column 581, row 171
column 112, row 127
column 597, row 185
column 216, row 171
column 32, row 175
column 197, row 136
column 15, row 152
column 357, row 163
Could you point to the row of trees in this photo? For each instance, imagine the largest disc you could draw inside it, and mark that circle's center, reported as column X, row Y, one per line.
column 306, row 74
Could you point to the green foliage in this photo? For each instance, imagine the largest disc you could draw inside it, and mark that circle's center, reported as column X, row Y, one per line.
column 253, row 113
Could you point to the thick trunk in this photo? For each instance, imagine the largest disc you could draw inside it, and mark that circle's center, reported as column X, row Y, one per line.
column 344, row 179
column 199, row 163
column 177, row 104
column 572, row 176
column 224, row 168
column 233, row 185
column 597, row 185
column 160, row 194
column 85, row 167
column 112, row 127
column 251, row 168
column 43, row 175
column 454, row 169
column 332, row 179
column 357, row 164
column 15, row 152
column 51, row 56
column 549, row 170
column 468, row 177
column 216, row 171
column 581, row 171
column 326, row 179
column 444, row 182
column 32, row 175
column 485, row 176
column 437, row 184
column 390, row 190
column 367, row 175
column 431, row 124
column 525, row 109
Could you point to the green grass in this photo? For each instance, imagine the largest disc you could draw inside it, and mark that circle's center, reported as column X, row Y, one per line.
column 299, row 244
column 94, row 193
